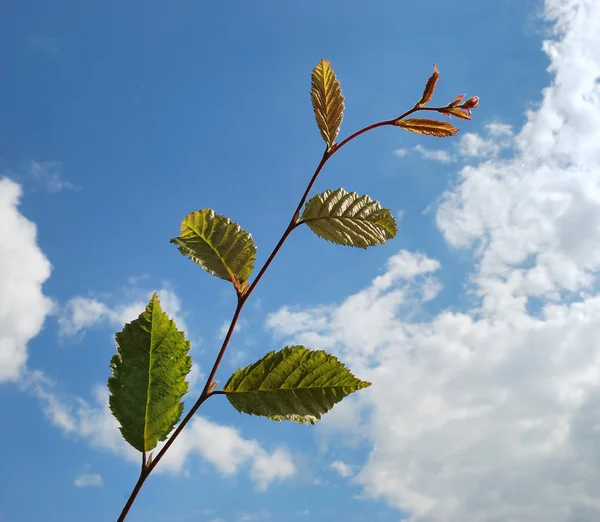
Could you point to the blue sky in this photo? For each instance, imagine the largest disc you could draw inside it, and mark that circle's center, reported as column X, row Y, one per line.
column 476, row 324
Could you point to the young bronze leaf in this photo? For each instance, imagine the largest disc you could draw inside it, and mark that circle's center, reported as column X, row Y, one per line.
column 456, row 111
column 148, row 377
column 295, row 384
column 218, row 245
column 441, row 129
column 429, row 87
column 327, row 101
column 345, row 218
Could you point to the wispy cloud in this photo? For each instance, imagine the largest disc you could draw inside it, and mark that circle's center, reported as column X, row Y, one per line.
column 85, row 480
column 48, row 175
column 441, row 156
column 240, row 325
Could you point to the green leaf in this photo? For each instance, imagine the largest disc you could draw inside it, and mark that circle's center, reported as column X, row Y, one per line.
column 148, row 377
column 345, row 218
column 295, row 384
column 327, row 101
column 218, row 245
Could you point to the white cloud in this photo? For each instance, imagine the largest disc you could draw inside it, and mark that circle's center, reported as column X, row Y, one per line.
column 55, row 410
column 88, row 479
column 48, row 174
column 92, row 421
column 228, row 452
column 466, row 413
column 366, row 319
column 491, row 414
column 267, row 468
column 542, row 207
column 443, row 156
column 81, row 313
column 239, row 326
column 499, row 138
column 23, row 270
column 343, row 469
column 221, row 446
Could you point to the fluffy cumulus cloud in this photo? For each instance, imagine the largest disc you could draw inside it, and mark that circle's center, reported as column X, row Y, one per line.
column 491, row 414
column 228, row 452
column 82, row 313
column 221, row 446
column 23, row 270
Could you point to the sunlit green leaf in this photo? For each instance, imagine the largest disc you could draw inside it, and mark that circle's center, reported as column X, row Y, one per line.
column 348, row 219
column 218, row 245
column 148, row 377
column 295, row 384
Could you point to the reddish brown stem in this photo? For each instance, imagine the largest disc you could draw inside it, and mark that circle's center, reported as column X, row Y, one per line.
column 147, row 469
column 203, row 396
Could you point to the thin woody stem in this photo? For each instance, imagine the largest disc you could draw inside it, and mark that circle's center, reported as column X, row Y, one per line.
column 148, row 467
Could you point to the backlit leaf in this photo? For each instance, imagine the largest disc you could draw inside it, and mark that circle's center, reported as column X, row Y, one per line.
column 441, row 129
column 295, row 384
column 429, row 87
column 218, row 245
column 327, row 101
column 463, row 114
column 345, row 218
column 148, row 377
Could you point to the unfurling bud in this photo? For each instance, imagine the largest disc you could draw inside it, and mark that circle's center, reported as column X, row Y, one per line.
column 460, row 110
column 456, row 101
column 471, row 103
